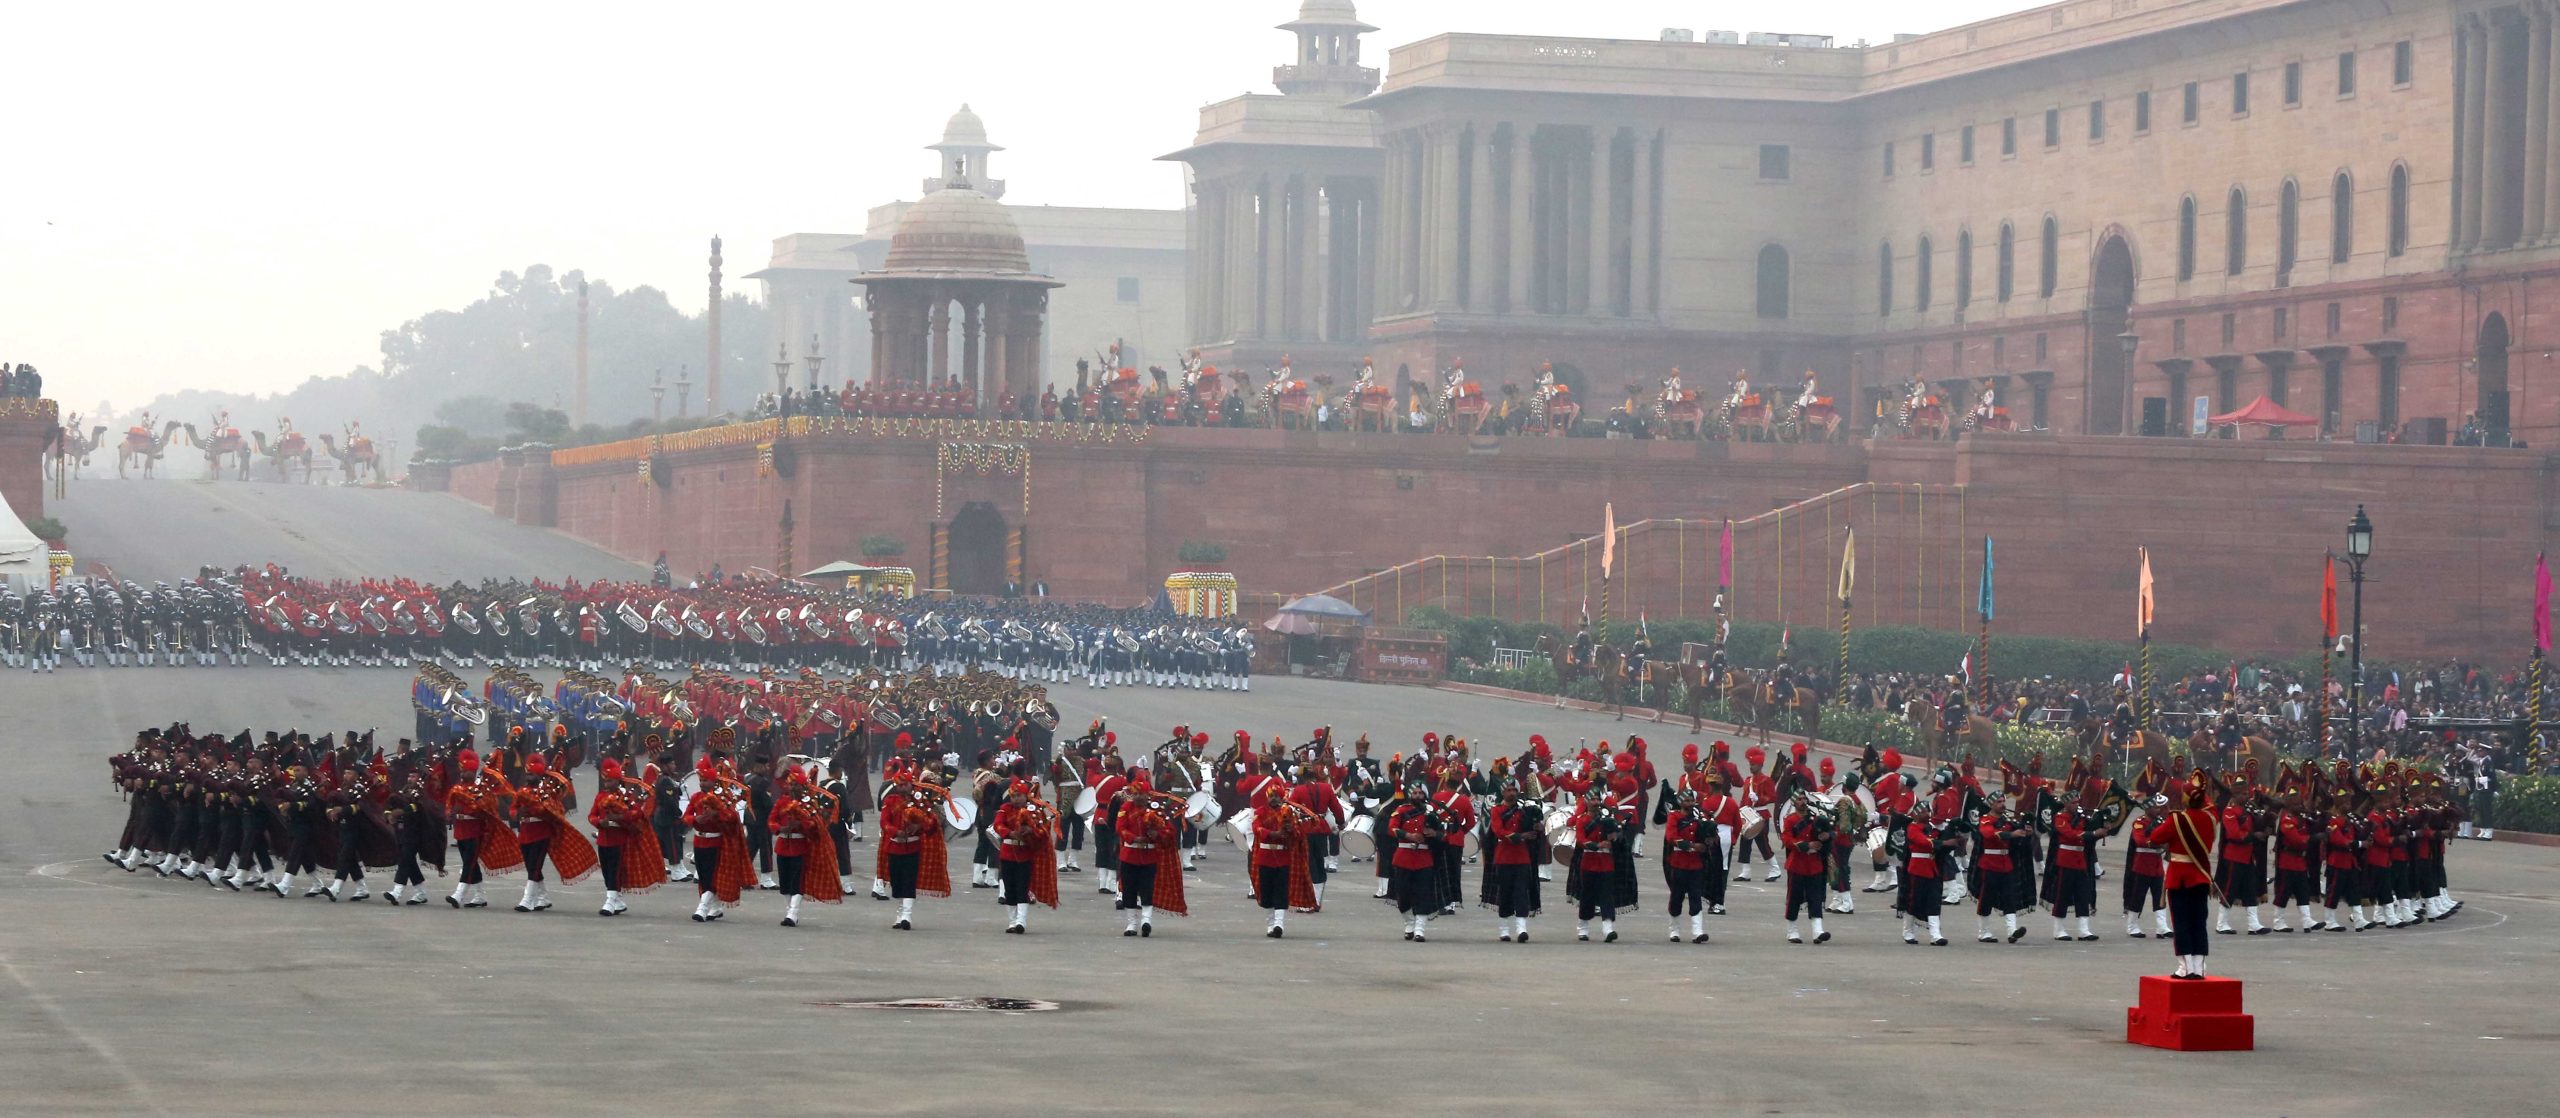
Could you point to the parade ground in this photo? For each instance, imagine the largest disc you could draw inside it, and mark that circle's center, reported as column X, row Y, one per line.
column 126, row 993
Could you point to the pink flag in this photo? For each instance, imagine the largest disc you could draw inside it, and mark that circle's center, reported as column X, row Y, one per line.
column 2541, row 603
column 1724, row 556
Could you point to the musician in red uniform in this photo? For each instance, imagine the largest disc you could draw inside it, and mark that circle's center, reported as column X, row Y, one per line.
column 2297, row 879
column 2187, row 837
column 2345, row 856
column 1692, row 862
column 1026, row 835
column 626, row 844
column 909, row 834
column 2005, row 878
column 1595, row 883
column 2143, row 870
column 1758, row 790
column 1106, row 781
column 1279, row 880
column 1415, row 828
column 1314, row 792
column 1460, row 819
column 2074, row 889
column 472, row 806
column 2238, row 878
column 533, row 832
column 2377, row 842
column 799, row 822
column 720, row 857
column 1808, row 836
column 1517, row 825
column 1147, row 839
column 1893, row 807
column 1923, row 846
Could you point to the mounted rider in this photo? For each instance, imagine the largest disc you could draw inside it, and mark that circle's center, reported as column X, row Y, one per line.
column 1782, row 682
column 1953, row 712
column 2122, row 723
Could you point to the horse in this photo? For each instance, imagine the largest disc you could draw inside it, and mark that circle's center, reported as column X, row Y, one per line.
column 140, row 443
column 1609, row 663
column 1980, row 735
column 1560, row 654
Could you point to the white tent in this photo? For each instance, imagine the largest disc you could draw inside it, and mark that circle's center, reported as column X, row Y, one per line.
column 22, row 555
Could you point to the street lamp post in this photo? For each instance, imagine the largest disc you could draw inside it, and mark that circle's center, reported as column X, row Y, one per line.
column 781, row 372
column 2359, row 548
column 658, row 396
column 815, row 359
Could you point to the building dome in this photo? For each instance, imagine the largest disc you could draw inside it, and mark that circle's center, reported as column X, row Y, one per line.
column 958, row 230
column 966, row 131
column 1327, row 11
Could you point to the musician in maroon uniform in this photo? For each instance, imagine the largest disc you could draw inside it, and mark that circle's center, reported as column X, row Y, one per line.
column 1414, row 829
column 1517, row 826
column 2074, row 889
column 1146, row 849
column 1281, row 833
column 1692, row 859
column 2297, row 879
column 1924, row 848
column 2238, row 878
column 1808, row 841
column 1460, row 820
column 2005, row 879
column 2143, row 871
column 2187, row 837
column 1593, row 884
column 2345, row 855
column 1314, row 792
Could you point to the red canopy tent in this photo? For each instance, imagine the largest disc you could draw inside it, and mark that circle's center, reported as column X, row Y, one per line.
column 2262, row 412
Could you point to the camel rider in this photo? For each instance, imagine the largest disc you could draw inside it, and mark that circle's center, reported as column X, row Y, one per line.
column 1810, row 392
column 1783, row 683
column 2121, row 722
column 1953, row 714
column 1741, row 388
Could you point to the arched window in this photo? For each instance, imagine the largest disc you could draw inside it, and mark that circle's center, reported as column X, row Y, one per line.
column 2007, row 266
column 2049, row 262
column 1964, row 269
column 1884, row 278
column 1921, row 265
column 2288, row 219
column 2342, row 218
column 2235, row 233
column 1773, row 281
column 2187, row 238
column 2399, row 235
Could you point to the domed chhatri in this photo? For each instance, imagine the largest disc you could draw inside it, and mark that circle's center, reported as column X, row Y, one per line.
column 958, row 231
column 966, row 130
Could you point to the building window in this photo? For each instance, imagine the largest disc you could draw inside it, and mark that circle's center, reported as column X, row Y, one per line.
column 1888, row 159
column 2284, row 323
column 2177, row 335
column 2347, row 74
column 2142, row 112
column 2235, row 233
column 2288, row 211
column 1928, row 151
column 2009, row 136
column 2226, row 384
column 2404, row 62
column 2390, row 314
column 2333, row 383
column 2230, row 332
column 2040, row 349
column 1773, row 162
column 1964, row 147
column 2053, row 128
column 2333, row 318
column 2240, row 94
column 2193, row 104
column 2292, row 84
column 2037, row 391
column 2187, row 238
column 1920, row 287
column 1884, row 279
column 1128, row 289
column 2398, row 239
column 2390, row 386
column 2097, row 121
column 2007, row 266
column 1964, row 270
column 2342, row 218
column 1773, row 281
column 2049, row 262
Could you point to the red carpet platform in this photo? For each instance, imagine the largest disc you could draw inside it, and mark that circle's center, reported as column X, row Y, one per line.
column 2184, row 1015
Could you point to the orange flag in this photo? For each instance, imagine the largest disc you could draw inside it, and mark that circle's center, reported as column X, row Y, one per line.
column 2328, row 600
column 2142, row 605
column 1608, row 538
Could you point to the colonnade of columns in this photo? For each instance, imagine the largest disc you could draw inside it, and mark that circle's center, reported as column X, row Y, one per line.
column 997, row 351
column 1282, row 256
column 2507, row 72
column 1516, row 218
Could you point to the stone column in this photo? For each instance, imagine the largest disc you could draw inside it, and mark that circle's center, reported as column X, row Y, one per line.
column 1240, row 266
column 1484, row 269
column 2537, row 126
column 2499, row 198
column 1199, row 268
column 1517, row 249
column 1640, row 228
column 1000, row 327
column 1603, row 143
column 970, row 368
column 1450, row 199
column 879, row 339
column 2551, row 124
column 1308, row 223
column 1382, row 252
column 1367, row 240
column 940, row 325
column 2468, row 196
column 1421, row 227
column 1273, row 252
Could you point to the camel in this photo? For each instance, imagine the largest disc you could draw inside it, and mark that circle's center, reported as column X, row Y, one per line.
column 1746, row 413
column 1678, row 409
column 1462, row 404
column 1551, row 406
column 289, row 449
column 77, row 447
column 1924, row 415
column 140, row 443
column 358, row 457
column 226, row 442
column 1812, row 417
column 1289, row 402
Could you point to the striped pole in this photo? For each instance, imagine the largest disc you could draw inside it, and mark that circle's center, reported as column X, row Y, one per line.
column 2533, row 719
column 1840, row 680
column 2143, row 700
column 2320, row 702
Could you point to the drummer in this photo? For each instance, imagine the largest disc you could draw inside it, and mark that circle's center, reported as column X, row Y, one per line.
column 1363, row 783
column 1104, row 778
column 1324, row 846
column 1461, row 809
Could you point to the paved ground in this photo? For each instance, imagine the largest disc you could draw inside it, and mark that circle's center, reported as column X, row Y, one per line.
column 127, row 994
column 168, row 527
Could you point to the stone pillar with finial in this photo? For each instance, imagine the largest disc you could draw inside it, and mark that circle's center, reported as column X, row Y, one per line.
column 711, row 373
column 684, row 388
column 814, row 360
column 578, row 392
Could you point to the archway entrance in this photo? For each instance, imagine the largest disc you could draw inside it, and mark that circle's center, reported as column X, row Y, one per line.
column 2110, row 314
column 977, row 540
column 2493, row 379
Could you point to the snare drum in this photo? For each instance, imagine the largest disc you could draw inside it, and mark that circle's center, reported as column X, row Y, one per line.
column 1202, row 810
column 1364, row 828
column 960, row 815
column 1754, row 822
column 1086, row 802
column 1239, row 829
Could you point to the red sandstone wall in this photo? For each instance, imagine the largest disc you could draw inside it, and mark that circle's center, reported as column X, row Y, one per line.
column 477, row 483
column 25, row 425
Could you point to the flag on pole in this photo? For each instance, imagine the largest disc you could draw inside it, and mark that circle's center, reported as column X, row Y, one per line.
column 2142, row 604
column 1848, row 563
column 1644, row 625
column 1608, row 538
column 1965, row 667
column 1724, row 556
column 2541, row 603
column 1784, row 632
column 2328, row 601
column 1985, row 607
column 1586, row 611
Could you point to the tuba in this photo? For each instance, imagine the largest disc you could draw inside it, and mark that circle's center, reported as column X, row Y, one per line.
column 630, row 617
column 815, row 621
column 497, row 619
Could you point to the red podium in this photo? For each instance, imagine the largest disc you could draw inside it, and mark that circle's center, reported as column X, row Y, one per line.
column 2190, row 1015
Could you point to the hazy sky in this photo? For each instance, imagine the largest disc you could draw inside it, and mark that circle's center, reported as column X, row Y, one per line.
column 243, row 196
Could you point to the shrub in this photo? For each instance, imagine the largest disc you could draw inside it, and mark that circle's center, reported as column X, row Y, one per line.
column 882, row 546
column 2528, row 803
column 1201, row 551
column 48, row 529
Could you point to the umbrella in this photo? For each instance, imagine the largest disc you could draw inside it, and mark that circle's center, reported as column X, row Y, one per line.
column 1325, row 605
column 2262, row 412
column 839, row 567
column 1292, row 624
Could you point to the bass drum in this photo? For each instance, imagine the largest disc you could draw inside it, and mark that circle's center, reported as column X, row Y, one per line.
column 1560, row 836
column 1086, row 802
column 1754, row 822
column 1239, row 829
column 960, row 815
column 1203, row 811
column 1363, row 828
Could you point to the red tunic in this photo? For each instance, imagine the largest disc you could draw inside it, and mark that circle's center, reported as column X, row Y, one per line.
column 2238, row 828
column 2293, row 843
column 1684, row 841
column 1462, row 817
column 2377, row 850
column 710, row 816
column 2070, row 844
column 1142, row 836
column 2342, row 843
column 1591, row 841
column 2146, row 853
column 1995, row 847
column 904, row 826
column 1800, row 834
column 1272, row 829
column 1015, row 829
column 1413, row 845
column 1923, row 842
column 1512, row 836
column 2184, row 836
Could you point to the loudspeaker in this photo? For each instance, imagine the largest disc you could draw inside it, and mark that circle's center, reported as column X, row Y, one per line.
column 2155, row 416
column 2427, row 430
